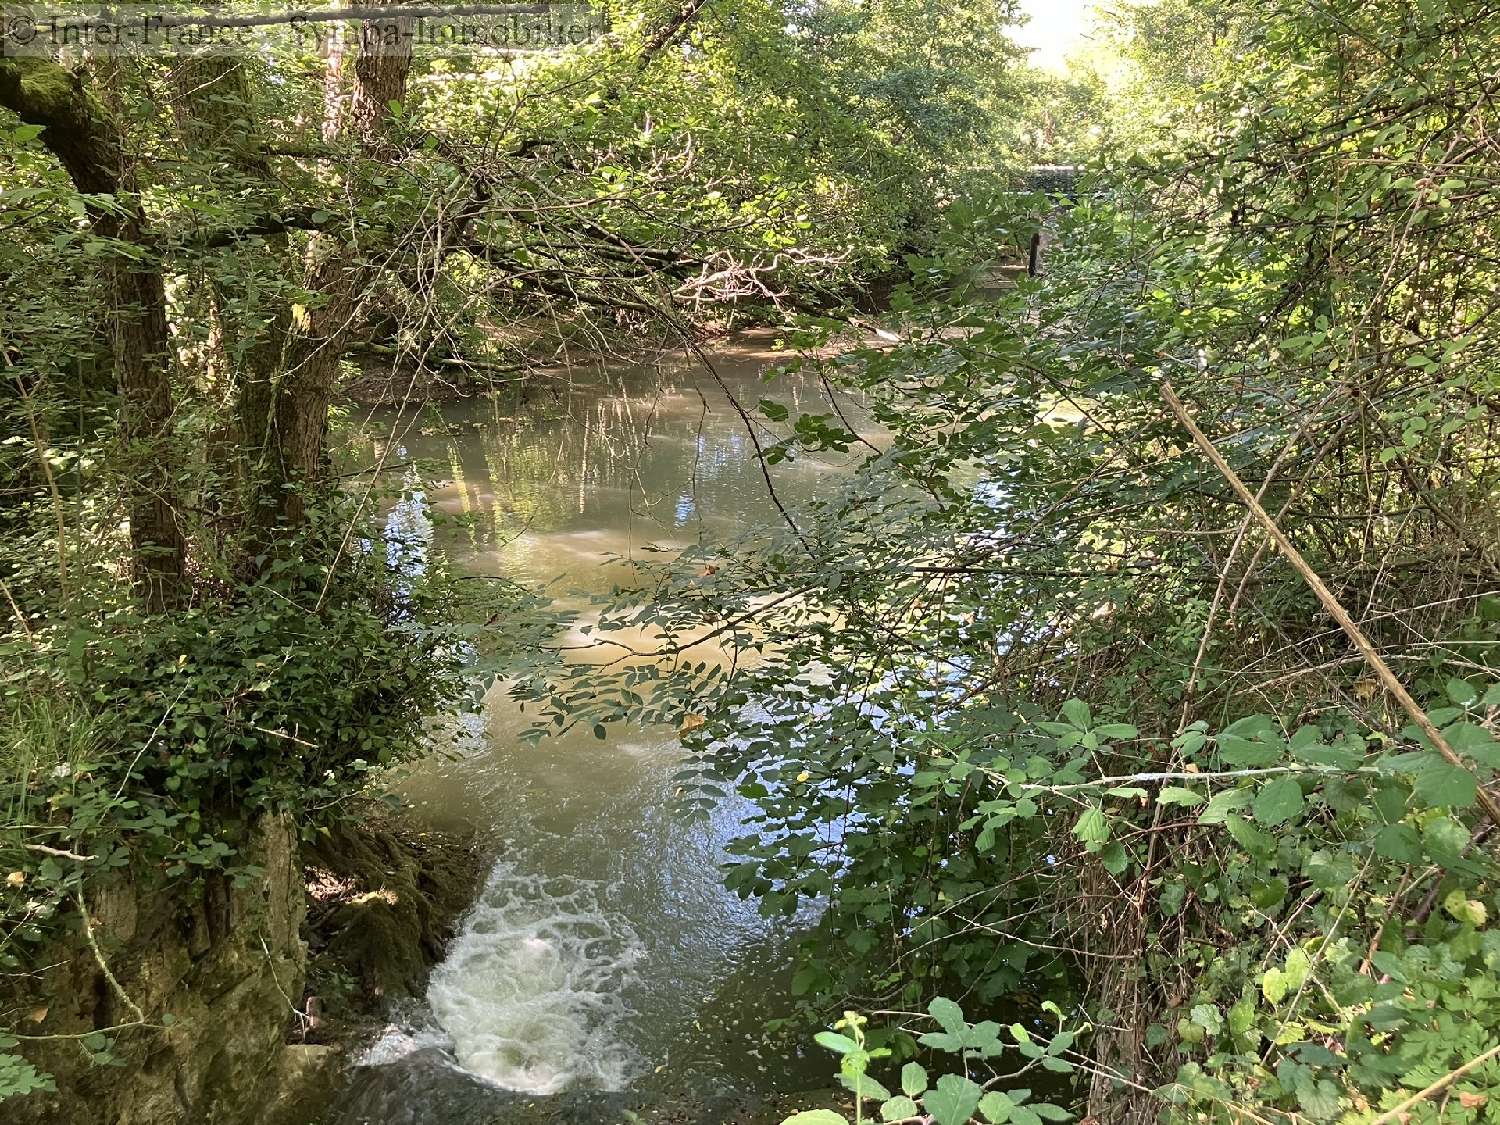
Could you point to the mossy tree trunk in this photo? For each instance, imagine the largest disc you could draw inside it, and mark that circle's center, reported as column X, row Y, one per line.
column 87, row 142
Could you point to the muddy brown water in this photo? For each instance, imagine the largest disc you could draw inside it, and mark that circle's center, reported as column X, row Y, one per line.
column 604, row 965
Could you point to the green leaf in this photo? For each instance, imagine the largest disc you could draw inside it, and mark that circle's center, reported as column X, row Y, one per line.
column 863, row 1086
column 1077, row 712
column 1268, row 893
column 913, row 1079
column 953, row 1101
column 835, row 1042
column 1441, row 784
column 1312, row 751
column 1242, row 1016
column 1178, row 795
column 772, row 410
column 1445, row 840
column 898, row 1109
column 1253, row 741
column 1278, row 801
column 1092, row 828
column 1114, row 858
column 1462, row 908
column 1249, row 837
column 1221, row 804
column 1298, row 965
column 996, row 1106
column 816, row 1117
column 1461, row 692
column 1208, row 1018
column 1399, row 842
column 1319, row 1099
column 948, row 1014
column 1474, row 741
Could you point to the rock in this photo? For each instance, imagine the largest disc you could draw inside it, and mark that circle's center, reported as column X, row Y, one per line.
column 221, row 964
column 221, row 972
column 303, row 1083
column 386, row 899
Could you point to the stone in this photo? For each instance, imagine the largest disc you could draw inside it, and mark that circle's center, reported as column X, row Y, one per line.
column 216, row 971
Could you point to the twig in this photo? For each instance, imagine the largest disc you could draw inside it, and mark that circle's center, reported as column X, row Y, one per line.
column 1184, row 775
column 20, row 617
column 1441, row 1084
column 59, row 852
column 114, row 983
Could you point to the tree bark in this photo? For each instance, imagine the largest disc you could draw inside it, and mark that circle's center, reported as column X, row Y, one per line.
column 217, row 121
column 338, row 273
column 380, row 73
column 78, row 131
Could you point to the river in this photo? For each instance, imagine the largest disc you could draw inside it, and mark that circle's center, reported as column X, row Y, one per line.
column 604, row 965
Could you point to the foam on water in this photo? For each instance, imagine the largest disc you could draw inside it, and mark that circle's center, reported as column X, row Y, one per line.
column 530, row 994
column 396, row 1042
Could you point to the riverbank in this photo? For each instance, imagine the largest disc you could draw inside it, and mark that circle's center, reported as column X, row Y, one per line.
column 386, row 378
column 384, row 897
column 269, row 986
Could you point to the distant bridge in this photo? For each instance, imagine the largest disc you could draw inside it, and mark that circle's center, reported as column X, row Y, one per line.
column 1054, row 179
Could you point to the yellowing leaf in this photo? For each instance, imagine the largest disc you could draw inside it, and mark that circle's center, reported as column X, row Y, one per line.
column 1462, row 908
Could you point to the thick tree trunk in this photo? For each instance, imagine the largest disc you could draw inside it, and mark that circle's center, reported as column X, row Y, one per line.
column 217, row 121
column 78, row 131
column 299, row 422
column 338, row 273
column 380, row 72
column 143, row 371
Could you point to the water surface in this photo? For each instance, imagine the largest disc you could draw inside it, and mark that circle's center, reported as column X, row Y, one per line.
column 603, row 953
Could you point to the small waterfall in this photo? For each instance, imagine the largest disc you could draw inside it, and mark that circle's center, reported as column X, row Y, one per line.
column 531, row 992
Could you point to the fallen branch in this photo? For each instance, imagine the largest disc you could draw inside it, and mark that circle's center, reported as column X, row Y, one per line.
column 1184, row 775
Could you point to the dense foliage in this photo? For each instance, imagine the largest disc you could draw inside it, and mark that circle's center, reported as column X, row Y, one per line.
column 204, row 622
column 1079, row 725
column 1131, row 708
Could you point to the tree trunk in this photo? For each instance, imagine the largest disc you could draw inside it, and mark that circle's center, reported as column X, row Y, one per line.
column 380, row 72
column 78, row 131
column 216, row 120
column 338, row 273
column 143, row 371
